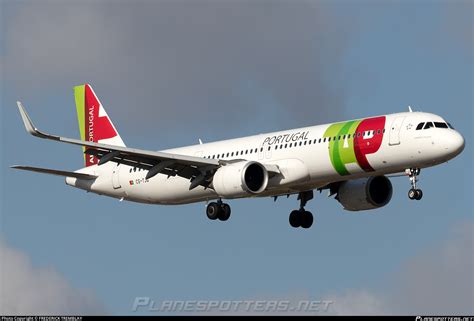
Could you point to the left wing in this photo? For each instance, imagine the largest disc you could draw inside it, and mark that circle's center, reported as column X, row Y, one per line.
column 55, row 172
column 197, row 169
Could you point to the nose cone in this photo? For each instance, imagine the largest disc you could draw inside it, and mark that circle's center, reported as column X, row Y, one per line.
column 457, row 143
column 454, row 143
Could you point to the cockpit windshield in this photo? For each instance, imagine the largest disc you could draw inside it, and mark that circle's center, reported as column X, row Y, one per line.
column 440, row 125
column 427, row 125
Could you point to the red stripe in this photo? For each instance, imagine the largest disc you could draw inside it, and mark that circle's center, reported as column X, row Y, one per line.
column 364, row 146
column 96, row 128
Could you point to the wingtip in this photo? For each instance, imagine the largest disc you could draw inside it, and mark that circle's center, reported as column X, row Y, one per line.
column 30, row 128
column 17, row 166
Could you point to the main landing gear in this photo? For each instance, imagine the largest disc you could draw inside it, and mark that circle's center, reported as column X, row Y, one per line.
column 218, row 210
column 301, row 217
column 414, row 193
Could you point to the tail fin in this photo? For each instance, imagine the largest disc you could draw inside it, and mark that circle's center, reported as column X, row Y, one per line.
column 94, row 123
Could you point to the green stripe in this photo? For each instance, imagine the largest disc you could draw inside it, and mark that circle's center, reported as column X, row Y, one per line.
column 339, row 155
column 80, row 96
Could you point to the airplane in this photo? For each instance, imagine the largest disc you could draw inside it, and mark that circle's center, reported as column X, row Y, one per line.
column 352, row 159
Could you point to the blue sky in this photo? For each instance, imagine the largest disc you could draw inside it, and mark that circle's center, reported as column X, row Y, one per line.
column 173, row 72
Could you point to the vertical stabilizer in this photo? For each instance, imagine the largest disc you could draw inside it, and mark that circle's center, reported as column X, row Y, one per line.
column 94, row 123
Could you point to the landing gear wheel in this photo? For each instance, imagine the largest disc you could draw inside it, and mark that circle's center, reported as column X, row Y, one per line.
column 419, row 194
column 295, row 219
column 412, row 194
column 302, row 218
column 306, row 219
column 224, row 212
column 212, row 210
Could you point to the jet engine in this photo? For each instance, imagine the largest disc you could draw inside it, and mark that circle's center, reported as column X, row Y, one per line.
column 365, row 193
column 240, row 179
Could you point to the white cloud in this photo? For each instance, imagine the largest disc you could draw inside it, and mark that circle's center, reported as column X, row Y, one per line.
column 357, row 302
column 26, row 289
column 438, row 281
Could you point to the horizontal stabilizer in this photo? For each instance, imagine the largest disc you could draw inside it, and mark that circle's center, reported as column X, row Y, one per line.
column 55, row 172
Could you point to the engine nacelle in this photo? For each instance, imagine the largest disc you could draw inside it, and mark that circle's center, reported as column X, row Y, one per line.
column 240, row 179
column 365, row 193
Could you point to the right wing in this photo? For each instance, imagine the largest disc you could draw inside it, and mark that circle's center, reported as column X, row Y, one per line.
column 197, row 169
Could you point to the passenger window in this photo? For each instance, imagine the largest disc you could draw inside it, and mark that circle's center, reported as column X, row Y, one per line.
column 261, row 149
column 440, row 125
column 309, row 142
column 329, row 139
column 286, row 145
column 268, row 147
column 428, row 125
column 256, row 150
column 420, row 126
column 378, row 132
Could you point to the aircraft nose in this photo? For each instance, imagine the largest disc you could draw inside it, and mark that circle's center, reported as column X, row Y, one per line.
column 451, row 143
column 457, row 142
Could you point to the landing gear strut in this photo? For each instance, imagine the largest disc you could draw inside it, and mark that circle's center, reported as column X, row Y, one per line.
column 414, row 193
column 218, row 210
column 301, row 217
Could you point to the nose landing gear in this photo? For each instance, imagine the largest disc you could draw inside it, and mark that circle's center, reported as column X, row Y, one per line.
column 414, row 193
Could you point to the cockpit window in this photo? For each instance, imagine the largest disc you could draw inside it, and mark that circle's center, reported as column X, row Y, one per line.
column 428, row 125
column 420, row 126
column 441, row 125
column 450, row 126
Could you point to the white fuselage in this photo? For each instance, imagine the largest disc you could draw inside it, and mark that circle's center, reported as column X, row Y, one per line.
column 309, row 163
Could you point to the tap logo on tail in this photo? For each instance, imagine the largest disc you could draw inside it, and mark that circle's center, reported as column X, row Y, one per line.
column 351, row 142
column 94, row 123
